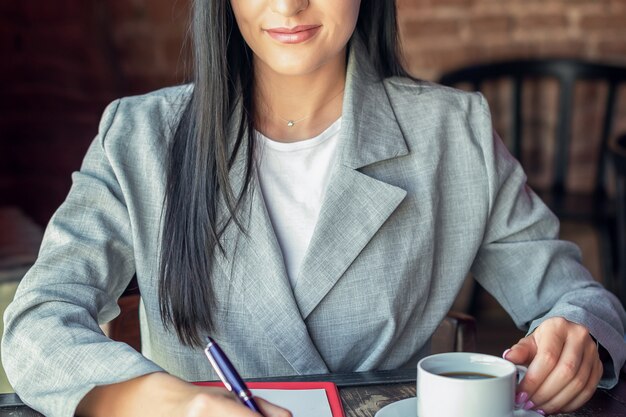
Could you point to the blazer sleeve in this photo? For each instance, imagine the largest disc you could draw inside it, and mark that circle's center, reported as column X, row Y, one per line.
column 53, row 350
column 524, row 265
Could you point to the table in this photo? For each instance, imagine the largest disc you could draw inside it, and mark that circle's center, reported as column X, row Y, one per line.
column 364, row 393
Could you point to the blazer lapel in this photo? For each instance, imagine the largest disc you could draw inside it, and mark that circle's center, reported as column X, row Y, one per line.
column 254, row 263
column 355, row 205
column 354, row 209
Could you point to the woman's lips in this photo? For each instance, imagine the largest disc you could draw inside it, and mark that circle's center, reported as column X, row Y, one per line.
column 296, row 34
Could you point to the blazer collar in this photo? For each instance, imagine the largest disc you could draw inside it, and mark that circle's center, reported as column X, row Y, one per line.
column 370, row 131
column 354, row 208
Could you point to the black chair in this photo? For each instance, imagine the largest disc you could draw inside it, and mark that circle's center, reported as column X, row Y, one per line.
column 520, row 76
column 617, row 147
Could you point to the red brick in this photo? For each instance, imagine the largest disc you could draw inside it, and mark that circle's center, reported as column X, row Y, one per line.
column 604, row 23
column 167, row 12
column 489, row 25
column 540, row 21
column 561, row 48
column 403, row 5
column 614, row 51
column 431, row 27
column 507, row 50
column 441, row 59
column 454, row 3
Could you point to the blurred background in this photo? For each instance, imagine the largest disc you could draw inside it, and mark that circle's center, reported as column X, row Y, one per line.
column 62, row 61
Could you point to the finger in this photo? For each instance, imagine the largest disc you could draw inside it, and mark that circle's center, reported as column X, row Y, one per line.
column 522, row 352
column 588, row 391
column 272, row 410
column 568, row 370
column 543, row 363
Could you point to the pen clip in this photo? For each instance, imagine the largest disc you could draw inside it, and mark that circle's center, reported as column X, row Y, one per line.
column 216, row 367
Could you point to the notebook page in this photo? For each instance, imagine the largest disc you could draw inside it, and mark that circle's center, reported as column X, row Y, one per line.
column 301, row 403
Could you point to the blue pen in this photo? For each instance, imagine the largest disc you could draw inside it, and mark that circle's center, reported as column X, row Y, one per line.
column 229, row 376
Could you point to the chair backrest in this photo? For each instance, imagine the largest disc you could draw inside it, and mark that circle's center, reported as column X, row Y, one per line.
column 456, row 333
column 617, row 148
column 567, row 72
column 125, row 327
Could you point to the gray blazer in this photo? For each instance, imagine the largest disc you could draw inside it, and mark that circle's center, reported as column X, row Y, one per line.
column 422, row 192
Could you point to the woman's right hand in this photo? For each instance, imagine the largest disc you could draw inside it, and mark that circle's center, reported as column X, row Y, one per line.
column 161, row 394
column 208, row 402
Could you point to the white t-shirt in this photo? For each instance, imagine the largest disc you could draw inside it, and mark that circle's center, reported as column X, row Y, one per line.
column 293, row 178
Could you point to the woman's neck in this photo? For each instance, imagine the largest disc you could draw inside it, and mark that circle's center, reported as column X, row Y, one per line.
column 311, row 101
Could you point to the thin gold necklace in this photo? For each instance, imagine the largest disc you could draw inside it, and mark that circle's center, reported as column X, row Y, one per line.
column 291, row 122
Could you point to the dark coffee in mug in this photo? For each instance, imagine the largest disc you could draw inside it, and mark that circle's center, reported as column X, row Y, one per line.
column 466, row 375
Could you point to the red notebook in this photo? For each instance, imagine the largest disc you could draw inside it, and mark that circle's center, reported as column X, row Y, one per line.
column 332, row 394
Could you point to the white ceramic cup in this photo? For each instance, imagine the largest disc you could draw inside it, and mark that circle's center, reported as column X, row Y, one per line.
column 442, row 396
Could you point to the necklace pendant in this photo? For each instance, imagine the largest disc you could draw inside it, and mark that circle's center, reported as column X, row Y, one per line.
column 290, row 123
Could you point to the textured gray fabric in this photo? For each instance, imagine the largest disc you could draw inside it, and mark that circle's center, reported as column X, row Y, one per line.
column 422, row 193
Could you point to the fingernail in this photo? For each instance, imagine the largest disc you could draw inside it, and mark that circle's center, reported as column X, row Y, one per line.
column 521, row 398
column 529, row 405
column 506, row 352
column 543, row 413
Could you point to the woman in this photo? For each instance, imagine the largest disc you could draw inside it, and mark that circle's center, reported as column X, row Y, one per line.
column 310, row 207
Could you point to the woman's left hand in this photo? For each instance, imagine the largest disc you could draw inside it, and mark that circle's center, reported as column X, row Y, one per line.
column 564, row 366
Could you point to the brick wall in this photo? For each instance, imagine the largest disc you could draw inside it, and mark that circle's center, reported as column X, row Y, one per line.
column 61, row 63
column 147, row 37
column 63, row 60
column 439, row 35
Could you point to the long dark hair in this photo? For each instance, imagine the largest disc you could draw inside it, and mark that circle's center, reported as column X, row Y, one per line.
column 201, row 156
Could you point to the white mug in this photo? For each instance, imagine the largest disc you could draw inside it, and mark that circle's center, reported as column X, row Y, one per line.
column 456, row 396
